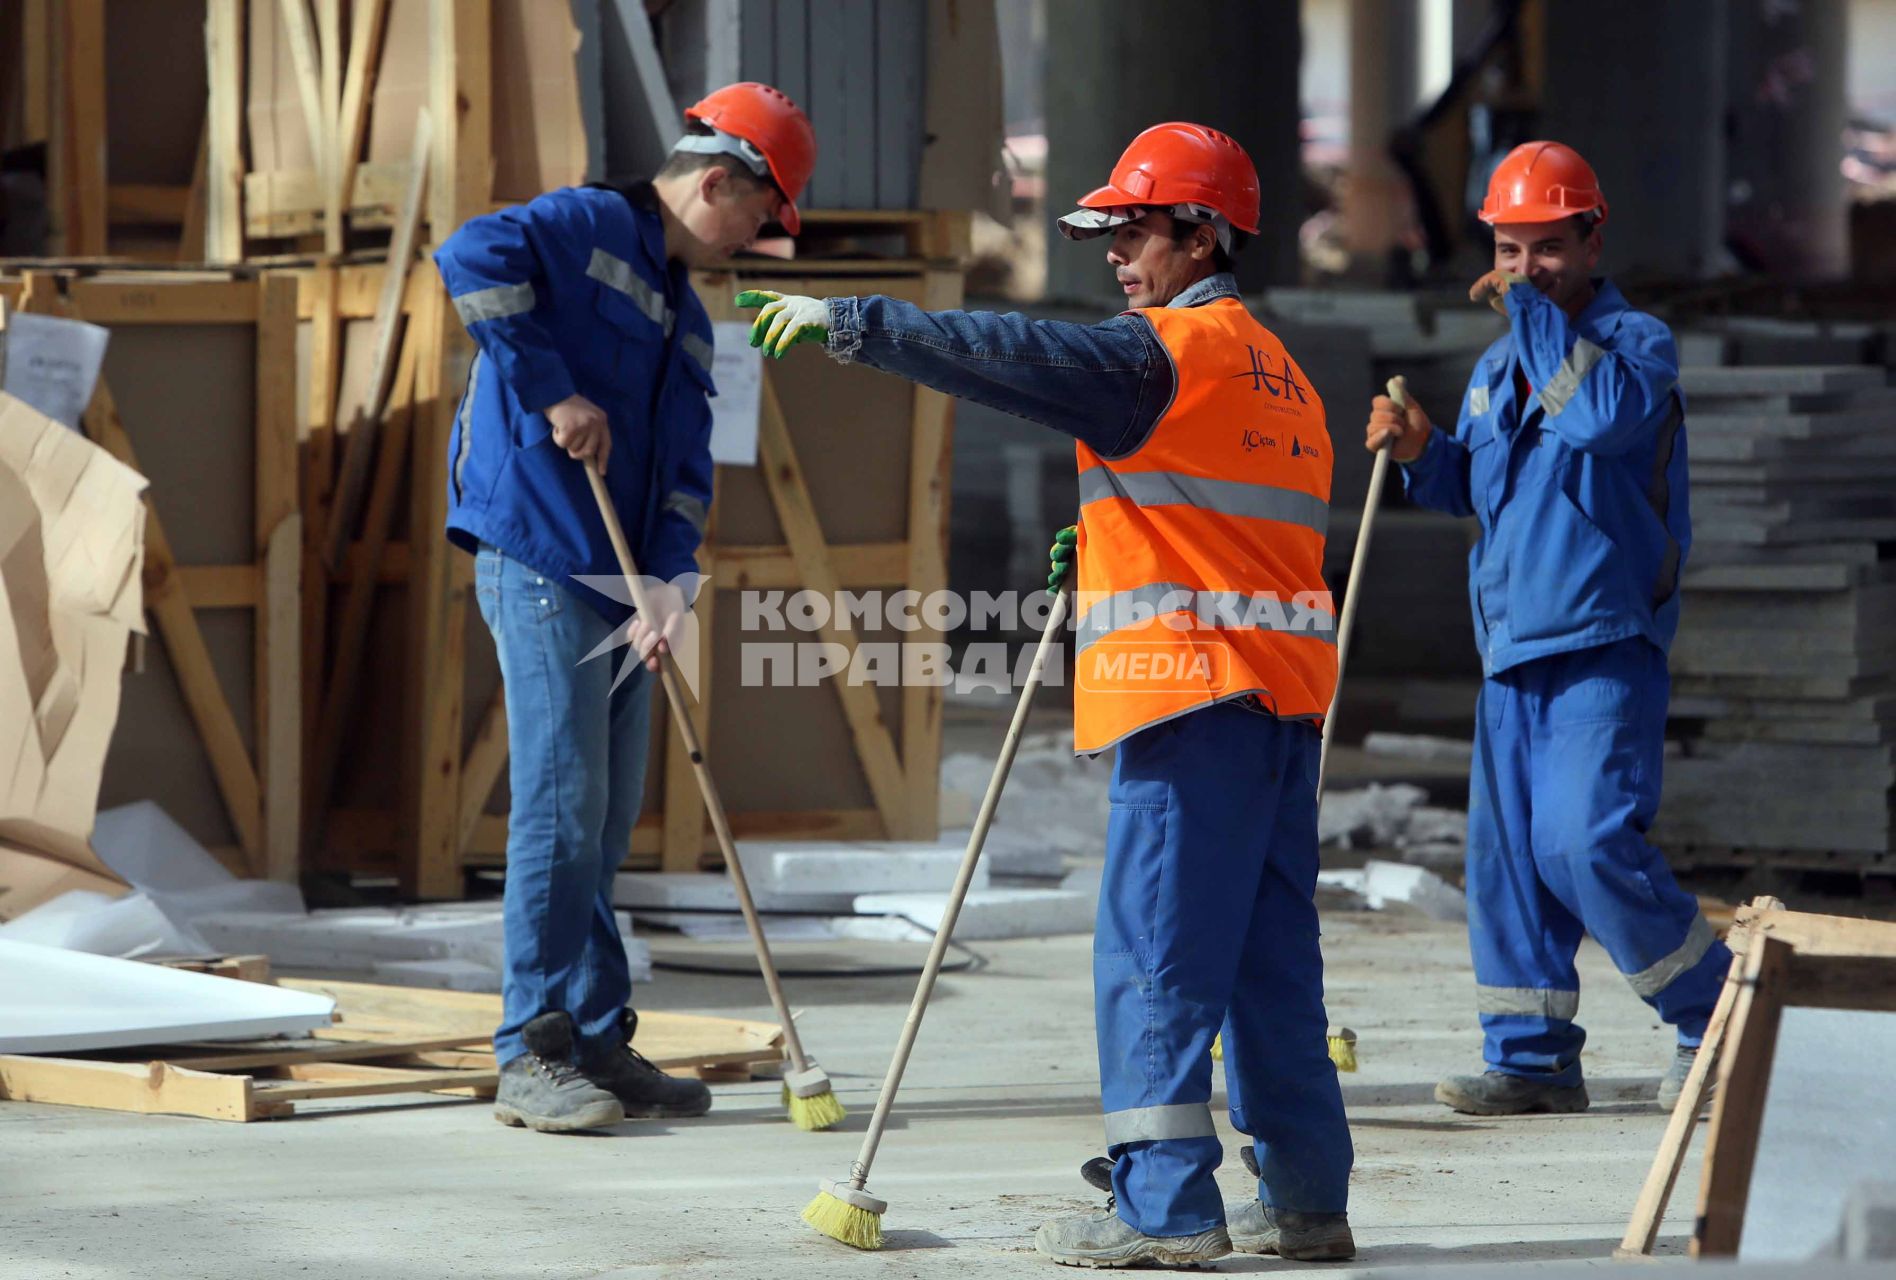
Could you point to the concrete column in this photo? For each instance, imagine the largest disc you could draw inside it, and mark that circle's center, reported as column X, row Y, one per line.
column 1788, row 212
column 1639, row 90
column 1384, row 56
column 1115, row 67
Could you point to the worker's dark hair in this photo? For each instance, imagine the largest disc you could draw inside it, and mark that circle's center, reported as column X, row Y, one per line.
column 680, row 163
column 1583, row 224
column 1182, row 229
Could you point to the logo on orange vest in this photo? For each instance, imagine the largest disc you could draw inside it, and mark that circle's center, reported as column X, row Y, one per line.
column 1251, row 439
column 1263, row 379
column 1298, row 449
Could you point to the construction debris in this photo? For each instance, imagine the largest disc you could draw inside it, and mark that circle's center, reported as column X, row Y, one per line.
column 1380, row 884
column 1054, row 807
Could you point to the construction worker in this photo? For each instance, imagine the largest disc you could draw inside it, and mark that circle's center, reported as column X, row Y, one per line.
column 1570, row 451
column 1206, row 656
column 594, row 351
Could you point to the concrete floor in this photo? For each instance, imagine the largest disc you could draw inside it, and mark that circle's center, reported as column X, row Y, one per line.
column 999, row 1109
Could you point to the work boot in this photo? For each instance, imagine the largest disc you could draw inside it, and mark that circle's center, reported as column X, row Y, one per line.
column 1499, row 1093
column 1256, row 1227
column 1103, row 1239
column 1672, row 1083
column 543, row 1089
column 641, row 1088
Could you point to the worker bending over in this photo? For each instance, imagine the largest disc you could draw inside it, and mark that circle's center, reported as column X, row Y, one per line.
column 1570, row 451
column 1206, row 655
column 594, row 351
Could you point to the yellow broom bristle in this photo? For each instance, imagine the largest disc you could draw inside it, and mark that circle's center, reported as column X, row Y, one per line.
column 1343, row 1051
column 840, row 1220
column 1218, row 1048
column 819, row 1111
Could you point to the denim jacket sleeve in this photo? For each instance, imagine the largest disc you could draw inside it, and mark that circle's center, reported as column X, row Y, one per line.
column 1105, row 385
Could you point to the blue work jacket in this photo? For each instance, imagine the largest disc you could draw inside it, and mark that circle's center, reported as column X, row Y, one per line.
column 1580, row 488
column 573, row 292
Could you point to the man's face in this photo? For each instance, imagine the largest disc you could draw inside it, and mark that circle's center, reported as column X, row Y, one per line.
column 1152, row 267
column 725, row 214
column 1556, row 257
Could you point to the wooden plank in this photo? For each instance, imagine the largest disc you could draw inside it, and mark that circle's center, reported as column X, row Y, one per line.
column 459, row 77
column 224, row 163
column 862, row 564
column 1866, row 983
column 368, row 22
column 360, row 450
column 300, row 33
column 83, row 73
column 339, row 692
column 1642, row 1231
column 289, row 202
column 1820, row 935
column 329, row 58
column 313, row 1052
column 875, row 747
column 137, row 202
column 365, row 1083
column 391, row 571
column 36, row 71
column 486, row 757
column 321, row 289
column 221, row 586
column 930, row 465
column 281, row 704
column 155, row 1088
column 279, row 525
column 166, row 598
column 191, row 232
column 1731, row 1143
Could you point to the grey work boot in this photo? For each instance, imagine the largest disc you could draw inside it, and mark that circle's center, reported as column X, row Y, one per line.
column 1497, row 1093
column 1672, row 1083
column 641, row 1088
column 542, row 1089
column 1255, row 1227
column 1103, row 1239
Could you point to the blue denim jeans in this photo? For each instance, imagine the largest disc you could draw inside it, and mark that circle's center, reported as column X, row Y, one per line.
column 577, row 750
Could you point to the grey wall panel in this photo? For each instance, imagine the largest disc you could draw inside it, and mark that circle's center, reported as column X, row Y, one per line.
column 901, row 89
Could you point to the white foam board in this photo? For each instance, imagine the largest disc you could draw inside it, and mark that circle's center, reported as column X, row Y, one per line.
column 58, row 1001
column 990, row 913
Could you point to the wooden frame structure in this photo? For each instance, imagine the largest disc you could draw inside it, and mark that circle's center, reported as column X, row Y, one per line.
column 261, row 791
column 1781, row 959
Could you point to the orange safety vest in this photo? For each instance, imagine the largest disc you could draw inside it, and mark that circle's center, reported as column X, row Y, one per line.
column 1201, row 553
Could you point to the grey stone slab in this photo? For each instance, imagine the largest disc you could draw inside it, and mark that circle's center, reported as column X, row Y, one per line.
column 1779, row 379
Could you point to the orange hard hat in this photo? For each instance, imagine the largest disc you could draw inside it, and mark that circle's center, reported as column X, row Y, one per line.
column 782, row 145
column 1170, row 165
column 1542, row 182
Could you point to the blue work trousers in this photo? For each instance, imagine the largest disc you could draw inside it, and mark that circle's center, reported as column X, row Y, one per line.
column 1207, row 919
column 1568, row 751
column 576, row 766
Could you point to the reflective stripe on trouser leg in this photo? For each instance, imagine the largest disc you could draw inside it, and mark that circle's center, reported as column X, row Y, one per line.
column 1187, row 840
column 1597, row 763
column 1280, row 1083
column 1522, row 938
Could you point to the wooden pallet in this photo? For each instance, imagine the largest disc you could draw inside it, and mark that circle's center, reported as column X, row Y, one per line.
column 385, row 1040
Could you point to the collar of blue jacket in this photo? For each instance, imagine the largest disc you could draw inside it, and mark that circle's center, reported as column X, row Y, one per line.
column 1220, row 284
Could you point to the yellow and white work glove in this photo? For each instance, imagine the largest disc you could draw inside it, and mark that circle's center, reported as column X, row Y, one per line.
column 786, row 319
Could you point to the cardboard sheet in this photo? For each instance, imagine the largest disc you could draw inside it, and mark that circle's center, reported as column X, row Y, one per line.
column 72, row 547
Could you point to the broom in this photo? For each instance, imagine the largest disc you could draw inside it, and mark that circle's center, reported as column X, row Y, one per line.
column 807, row 1095
column 844, row 1210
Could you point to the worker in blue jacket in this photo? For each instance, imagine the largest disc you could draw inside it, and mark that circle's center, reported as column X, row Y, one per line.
column 594, row 351
column 1570, row 452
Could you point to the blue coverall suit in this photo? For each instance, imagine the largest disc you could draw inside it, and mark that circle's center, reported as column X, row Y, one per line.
column 1206, row 912
column 1570, row 451
column 573, row 293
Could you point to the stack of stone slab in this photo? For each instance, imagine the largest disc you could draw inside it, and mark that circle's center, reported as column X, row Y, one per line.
column 1784, row 671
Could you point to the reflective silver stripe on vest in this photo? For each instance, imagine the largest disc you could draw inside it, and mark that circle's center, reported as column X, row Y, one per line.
column 1561, row 387
column 1260, row 610
column 1537, row 1002
column 1478, row 400
column 698, row 349
column 1659, row 494
column 497, row 303
column 467, row 422
column 1160, row 1124
column 1227, row 497
column 617, row 273
column 1653, row 979
column 680, row 503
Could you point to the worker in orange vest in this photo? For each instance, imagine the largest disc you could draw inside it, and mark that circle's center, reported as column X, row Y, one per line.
column 1570, row 450
column 1207, row 657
